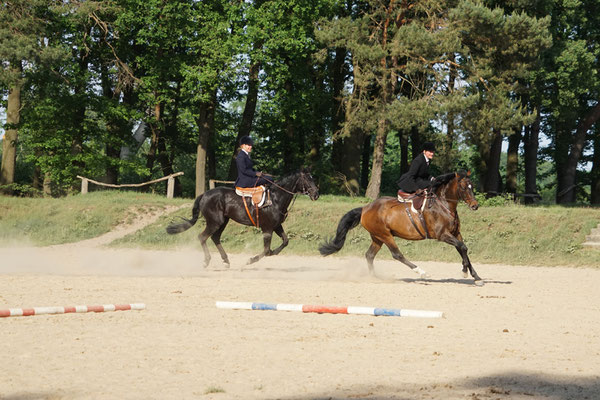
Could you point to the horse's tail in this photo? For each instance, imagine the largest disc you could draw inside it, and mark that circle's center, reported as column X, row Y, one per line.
column 348, row 221
column 174, row 228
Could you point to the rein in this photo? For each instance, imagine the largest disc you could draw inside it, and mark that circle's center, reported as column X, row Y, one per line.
column 460, row 197
column 292, row 192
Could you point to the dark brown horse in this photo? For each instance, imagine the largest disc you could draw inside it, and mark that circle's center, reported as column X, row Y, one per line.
column 386, row 217
column 220, row 204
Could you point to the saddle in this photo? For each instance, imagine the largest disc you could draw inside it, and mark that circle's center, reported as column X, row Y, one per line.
column 258, row 194
column 260, row 197
column 417, row 199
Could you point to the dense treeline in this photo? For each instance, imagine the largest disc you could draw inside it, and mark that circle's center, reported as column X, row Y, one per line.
column 126, row 90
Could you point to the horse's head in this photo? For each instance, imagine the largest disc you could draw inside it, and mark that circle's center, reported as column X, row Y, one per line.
column 305, row 184
column 464, row 189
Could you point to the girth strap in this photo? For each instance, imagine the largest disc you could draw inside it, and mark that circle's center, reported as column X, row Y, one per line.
column 248, row 212
column 426, row 235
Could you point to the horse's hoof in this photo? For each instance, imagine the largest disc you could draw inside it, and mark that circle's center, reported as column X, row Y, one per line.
column 479, row 282
column 465, row 274
column 226, row 265
column 425, row 275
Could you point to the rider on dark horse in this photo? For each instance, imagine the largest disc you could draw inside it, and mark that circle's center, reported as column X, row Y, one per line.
column 247, row 177
column 418, row 178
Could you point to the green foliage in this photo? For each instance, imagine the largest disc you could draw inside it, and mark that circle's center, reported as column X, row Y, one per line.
column 455, row 72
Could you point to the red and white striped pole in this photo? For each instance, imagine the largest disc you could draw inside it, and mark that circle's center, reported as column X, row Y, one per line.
column 24, row 312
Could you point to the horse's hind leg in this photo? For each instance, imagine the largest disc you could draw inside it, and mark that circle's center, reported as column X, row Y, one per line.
column 267, row 235
column 212, row 226
column 206, row 233
column 279, row 231
column 372, row 252
column 391, row 244
column 462, row 250
column 216, row 238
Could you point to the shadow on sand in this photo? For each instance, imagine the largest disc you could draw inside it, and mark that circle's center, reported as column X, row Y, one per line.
column 512, row 385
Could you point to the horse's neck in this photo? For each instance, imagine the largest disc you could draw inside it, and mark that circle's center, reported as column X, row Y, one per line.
column 450, row 194
column 283, row 193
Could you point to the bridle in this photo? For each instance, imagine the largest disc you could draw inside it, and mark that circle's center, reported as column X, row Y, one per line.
column 302, row 179
column 461, row 196
column 305, row 190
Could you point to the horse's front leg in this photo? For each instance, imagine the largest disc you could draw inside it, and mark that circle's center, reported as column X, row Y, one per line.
column 267, row 235
column 279, row 231
column 462, row 249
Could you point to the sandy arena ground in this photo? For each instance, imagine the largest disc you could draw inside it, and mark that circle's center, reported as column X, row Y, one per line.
column 529, row 333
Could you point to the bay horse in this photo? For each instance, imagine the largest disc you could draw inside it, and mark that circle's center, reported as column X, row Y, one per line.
column 387, row 217
column 221, row 204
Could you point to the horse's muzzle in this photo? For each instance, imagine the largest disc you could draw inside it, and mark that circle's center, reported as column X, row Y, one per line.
column 314, row 196
column 474, row 206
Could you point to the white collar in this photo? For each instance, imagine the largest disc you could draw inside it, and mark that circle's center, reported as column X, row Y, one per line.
column 249, row 153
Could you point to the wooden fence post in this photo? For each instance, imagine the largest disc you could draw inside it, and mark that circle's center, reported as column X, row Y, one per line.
column 170, row 187
column 84, row 186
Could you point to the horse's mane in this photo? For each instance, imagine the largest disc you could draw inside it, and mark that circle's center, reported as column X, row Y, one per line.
column 444, row 179
column 290, row 175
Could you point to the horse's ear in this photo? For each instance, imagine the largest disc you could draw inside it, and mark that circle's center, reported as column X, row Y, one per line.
column 468, row 173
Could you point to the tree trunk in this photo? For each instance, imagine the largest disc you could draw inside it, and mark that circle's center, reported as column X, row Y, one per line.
column 416, row 142
column 337, row 113
column 365, row 164
column 351, row 160
column 248, row 114
column 9, row 142
column 567, row 182
column 595, row 173
column 155, row 128
column 79, row 132
column 378, row 152
column 165, row 158
column 493, row 182
column 448, row 156
column 206, row 124
column 512, row 161
column 532, row 134
column 404, row 163
column 290, row 143
column 47, row 184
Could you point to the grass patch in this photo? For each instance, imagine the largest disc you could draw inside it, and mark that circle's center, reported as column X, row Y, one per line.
column 510, row 234
column 214, row 389
column 42, row 221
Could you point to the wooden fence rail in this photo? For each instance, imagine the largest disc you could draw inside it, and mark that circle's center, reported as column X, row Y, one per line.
column 211, row 183
column 170, row 184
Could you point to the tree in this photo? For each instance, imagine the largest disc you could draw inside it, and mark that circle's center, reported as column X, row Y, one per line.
column 21, row 27
column 499, row 49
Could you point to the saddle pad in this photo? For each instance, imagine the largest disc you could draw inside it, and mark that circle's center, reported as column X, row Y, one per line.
column 253, row 193
column 248, row 192
column 412, row 206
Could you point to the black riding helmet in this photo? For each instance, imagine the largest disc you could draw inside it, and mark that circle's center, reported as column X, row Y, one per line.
column 429, row 146
column 246, row 140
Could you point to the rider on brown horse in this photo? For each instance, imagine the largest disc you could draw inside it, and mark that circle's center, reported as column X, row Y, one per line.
column 418, row 178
